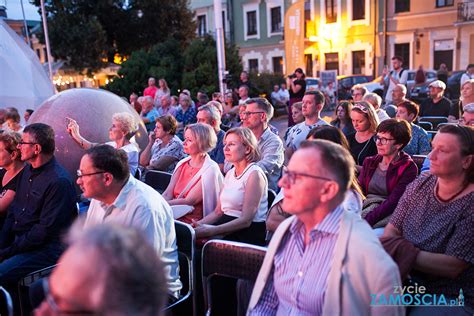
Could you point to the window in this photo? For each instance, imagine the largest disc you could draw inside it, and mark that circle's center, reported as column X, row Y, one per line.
column 443, row 53
column 403, row 50
column 358, row 62
column 253, row 65
column 331, row 11
column 276, row 19
column 402, row 6
column 277, row 64
column 252, row 23
column 358, row 9
column 444, row 3
column 332, row 61
column 201, row 24
column 308, row 61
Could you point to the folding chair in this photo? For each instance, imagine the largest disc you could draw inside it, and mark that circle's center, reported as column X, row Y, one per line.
column 427, row 126
column 6, row 303
column 419, row 159
column 158, row 180
column 185, row 239
column 229, row 259
column 24, row 286
column 271, row 197
column 434, row 120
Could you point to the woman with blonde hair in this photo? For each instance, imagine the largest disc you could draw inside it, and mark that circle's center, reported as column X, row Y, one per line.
column 365, row 122
column 197, row 179
column 241, row 211
column 122, row 130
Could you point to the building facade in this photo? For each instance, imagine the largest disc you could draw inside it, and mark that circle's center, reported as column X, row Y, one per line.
column 255, row 27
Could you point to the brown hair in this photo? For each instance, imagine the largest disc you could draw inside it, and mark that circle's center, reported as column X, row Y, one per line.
column 169, row 123
column 411, row 107
column 10, row 140
column 400, row 130
column 369, row 113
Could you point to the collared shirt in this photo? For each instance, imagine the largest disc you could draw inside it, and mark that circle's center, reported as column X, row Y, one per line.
column 170, row 110
column 271, row 150
column 419, row 143
column 298, row 281
column 298, row 133
column 139, row 205
column 152, row 116
column 173, row 149
column 43, row 208
column 217, row 154
column 186, row 117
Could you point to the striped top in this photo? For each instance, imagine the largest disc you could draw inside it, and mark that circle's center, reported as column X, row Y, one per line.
column 298, row 281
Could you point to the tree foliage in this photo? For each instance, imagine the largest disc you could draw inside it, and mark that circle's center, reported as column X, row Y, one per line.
column 195, row 68
column 88, row 33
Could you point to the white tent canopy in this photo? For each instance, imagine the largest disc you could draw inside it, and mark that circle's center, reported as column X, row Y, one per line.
column 23, row 82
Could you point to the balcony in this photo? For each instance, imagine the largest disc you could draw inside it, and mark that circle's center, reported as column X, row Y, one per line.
column 465, row 12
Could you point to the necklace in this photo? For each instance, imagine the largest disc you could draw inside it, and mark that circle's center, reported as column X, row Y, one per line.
column 455, row 195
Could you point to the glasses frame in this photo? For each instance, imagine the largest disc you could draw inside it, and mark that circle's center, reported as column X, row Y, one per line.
column 79, row 173
column 21, row 143
column 291, row 175
column 382, row 140
column 248, row 113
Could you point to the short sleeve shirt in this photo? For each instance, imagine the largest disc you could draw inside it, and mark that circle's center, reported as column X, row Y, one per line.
column 173, row 149
column 438, row 227
column 298, row 133
column 187, row 117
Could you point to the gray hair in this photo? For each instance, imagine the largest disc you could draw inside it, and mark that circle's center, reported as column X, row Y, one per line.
column 263, row 105
column 127, row 121
column 360, row 87
column 131, row 276
column 148, row 99
column 374, row 99
column 205, row 136
column 213, row 111
column 403, row 87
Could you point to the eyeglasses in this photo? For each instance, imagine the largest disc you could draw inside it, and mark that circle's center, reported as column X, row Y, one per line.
column 80, row 174
column 462, row 121
column 382, row 140
column 247, row 113
column 291, row 176
column 360, row 107
column 54, row 306
column 26, row 143
column 355, row 94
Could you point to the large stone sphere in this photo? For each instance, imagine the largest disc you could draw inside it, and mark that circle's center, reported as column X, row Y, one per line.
column 93, row 110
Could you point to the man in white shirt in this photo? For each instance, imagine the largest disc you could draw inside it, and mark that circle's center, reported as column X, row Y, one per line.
column 119, row 198
column 313, row 103
column 469, row 74
column 397, row 76
column 284, row 93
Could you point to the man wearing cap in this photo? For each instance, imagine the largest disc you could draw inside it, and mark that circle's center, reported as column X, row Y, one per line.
column 437, row 104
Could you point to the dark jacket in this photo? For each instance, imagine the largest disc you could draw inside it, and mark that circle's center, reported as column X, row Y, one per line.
column 399, row 174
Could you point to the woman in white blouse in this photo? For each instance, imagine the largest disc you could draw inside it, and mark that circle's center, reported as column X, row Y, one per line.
column 241, row 211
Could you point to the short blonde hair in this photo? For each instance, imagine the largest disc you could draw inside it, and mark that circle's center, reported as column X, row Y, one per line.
column 248, row 140
column 368, row 112
column 205, row 136
column 298, row 105
column 129, row 125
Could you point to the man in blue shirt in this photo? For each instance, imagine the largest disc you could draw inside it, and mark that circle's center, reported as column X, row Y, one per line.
column 43, row 208
column 208, row 114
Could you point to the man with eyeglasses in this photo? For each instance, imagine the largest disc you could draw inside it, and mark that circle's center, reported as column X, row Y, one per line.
column 43, row 208
column 323, row 260
column 117, row 197
column 256, row 116
column 313, row 103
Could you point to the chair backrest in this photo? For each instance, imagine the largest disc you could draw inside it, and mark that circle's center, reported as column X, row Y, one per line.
column 435, row 120
column 271, row 197
column 6, row 303
column 230, row 259
column 185, row 242
column 419, row 159
column 24, row 286
column 431, row 134
column 158, row 180
column 427, row 126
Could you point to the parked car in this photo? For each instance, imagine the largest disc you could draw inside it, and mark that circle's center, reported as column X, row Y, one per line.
column 454, row 85
column 345, row 84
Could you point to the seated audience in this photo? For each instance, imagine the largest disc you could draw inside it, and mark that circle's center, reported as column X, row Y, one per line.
column 164, row 148
column 186, row 113
column 197, row 179
column 122, row 130
column 210, row 115
column 343, row 118
column 365, row 122
column 376, row 101
column 117, row 197
column 43, row 208
column 12, row 120
column 467, row 97
column 103, row 272
column 256, row 115
column 165, row 107
column 148, row 113
column 437, row 104
column 384, row 177
column 354, row 196
column 323, row 260
column 27, row 115
column 358, row 92
column 297, row 112
column 398, row 94
column 434, row 219
column 313, row 103
column 11, row 169
column 420, row 142
column 241, row 211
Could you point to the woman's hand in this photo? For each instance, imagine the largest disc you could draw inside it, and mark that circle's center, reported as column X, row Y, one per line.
column 73, row 128
column 151, row 138
column 203, row 230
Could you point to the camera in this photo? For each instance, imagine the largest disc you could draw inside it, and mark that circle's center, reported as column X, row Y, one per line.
column 292, row 76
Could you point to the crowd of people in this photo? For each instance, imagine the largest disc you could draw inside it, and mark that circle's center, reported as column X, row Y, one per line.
column 353, row 215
